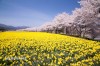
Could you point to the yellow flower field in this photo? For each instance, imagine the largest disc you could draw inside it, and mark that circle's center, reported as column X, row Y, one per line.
column 45, row 49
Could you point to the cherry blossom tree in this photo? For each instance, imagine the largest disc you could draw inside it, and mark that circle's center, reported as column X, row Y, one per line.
column 88, row 16
column 83, row 22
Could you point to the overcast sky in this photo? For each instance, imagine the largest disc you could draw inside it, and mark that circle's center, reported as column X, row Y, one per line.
column 33, row 12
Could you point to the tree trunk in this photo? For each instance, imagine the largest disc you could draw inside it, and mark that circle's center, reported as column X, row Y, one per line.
column 65, row 30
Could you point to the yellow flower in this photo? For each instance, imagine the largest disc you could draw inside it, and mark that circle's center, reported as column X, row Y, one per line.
column 46, row 48
column 60, row 60
column 21, row 64
column 0, row 57
column 61, row 54
column 38, row 64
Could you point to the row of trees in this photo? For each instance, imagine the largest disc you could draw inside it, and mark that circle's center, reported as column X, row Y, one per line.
column 83, row 22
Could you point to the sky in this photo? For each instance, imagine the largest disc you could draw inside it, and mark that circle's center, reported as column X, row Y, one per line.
column 33, row 13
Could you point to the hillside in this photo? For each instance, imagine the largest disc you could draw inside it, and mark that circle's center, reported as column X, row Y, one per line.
column 7, row 27
column 46, row 49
